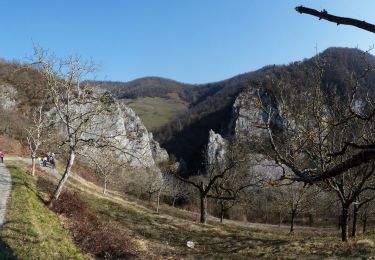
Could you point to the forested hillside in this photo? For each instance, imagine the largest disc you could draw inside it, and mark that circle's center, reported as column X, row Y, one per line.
column 199, row 108
column 187, row 135
column 181, row 115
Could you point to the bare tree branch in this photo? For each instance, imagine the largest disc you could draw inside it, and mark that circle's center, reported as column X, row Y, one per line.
column 336, row 19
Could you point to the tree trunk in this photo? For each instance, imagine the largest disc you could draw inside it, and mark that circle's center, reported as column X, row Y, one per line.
column 203, row 199
column 280, row 218
column 173, row 201
column 292, row 221
column 355, row 216
column 158, row 204
column 344, row 223
column 311, row 219
column 221, row 212
column 64, row 178
column 105, row 186
column 364, row 225
column 33, row 165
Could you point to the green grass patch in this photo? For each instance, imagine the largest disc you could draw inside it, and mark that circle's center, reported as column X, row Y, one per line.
column 31, row 230
column 156, row 112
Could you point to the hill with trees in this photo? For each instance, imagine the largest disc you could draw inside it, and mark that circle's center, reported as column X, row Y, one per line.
column 186, row 136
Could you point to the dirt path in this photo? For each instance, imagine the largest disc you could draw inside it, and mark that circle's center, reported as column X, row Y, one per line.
column 5, row 187
column 51, row 171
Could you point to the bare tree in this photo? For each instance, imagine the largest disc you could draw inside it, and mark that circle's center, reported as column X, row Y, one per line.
column 300, row 199
column 175, row 188
column 105, row 163
column 363, row 205
column 349, row 187
column 224, row 178
column 78, row 110
column 324, row 137
column 37, row 134
column 155, row 184
column 366, row 211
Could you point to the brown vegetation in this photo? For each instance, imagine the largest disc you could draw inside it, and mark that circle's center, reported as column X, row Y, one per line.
column 95, row 235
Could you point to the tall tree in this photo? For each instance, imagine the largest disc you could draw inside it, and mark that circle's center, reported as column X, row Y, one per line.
column 79, row 112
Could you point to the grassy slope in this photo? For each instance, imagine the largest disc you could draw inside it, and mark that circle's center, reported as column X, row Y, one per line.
column 156, row 112
column 165, row 235
column 32, row 231
column 161, row 236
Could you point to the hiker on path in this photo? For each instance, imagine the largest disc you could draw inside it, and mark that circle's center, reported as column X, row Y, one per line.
column 2, row 155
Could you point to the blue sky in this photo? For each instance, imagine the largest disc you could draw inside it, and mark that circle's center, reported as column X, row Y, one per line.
column 192, row 41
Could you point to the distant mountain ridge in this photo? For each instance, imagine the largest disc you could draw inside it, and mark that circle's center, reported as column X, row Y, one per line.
column 147, row 87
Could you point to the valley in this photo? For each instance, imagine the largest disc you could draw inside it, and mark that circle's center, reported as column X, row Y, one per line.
column 274, row 163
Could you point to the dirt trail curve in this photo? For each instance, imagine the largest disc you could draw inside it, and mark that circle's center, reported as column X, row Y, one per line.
column 5, row 187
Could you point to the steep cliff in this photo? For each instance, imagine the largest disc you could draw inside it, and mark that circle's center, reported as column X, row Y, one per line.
column 8, row 97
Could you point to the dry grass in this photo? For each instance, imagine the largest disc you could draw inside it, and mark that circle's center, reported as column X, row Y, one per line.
column 116, row 227
column 161, row 236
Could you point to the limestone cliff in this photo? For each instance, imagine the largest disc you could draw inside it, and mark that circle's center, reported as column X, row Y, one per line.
column 8, row 97
column 137, row 146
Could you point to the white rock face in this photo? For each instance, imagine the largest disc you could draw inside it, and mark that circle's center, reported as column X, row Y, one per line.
column 216, row 148
column 142, row 149
column 247, row 115
column 246, row 118
column 8, row 97
column 159, row 154
column 136, row 146
column 134, row 138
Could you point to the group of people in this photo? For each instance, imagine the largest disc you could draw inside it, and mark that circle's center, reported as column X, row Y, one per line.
column 47, row 160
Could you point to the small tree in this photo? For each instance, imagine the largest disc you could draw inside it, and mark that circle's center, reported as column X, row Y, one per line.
column 155, row 185
column 299, row 199
column 105, row 163
column 367, row 210
column 349, row 187
column 225, row 172
column 37, row 134
column 175, row 188
column 363, row 204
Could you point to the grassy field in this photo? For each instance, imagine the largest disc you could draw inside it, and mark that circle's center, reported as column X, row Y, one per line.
column 126, row 228
column 31, row 230
column 164, row 236
column 156, row 112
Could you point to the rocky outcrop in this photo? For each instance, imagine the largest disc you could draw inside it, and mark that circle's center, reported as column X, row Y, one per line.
column 159, row 154
column 247, row 119
column 118, row 126
column 8, row 97
column 248, row 116
column 216, row 148
column 144, row 149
